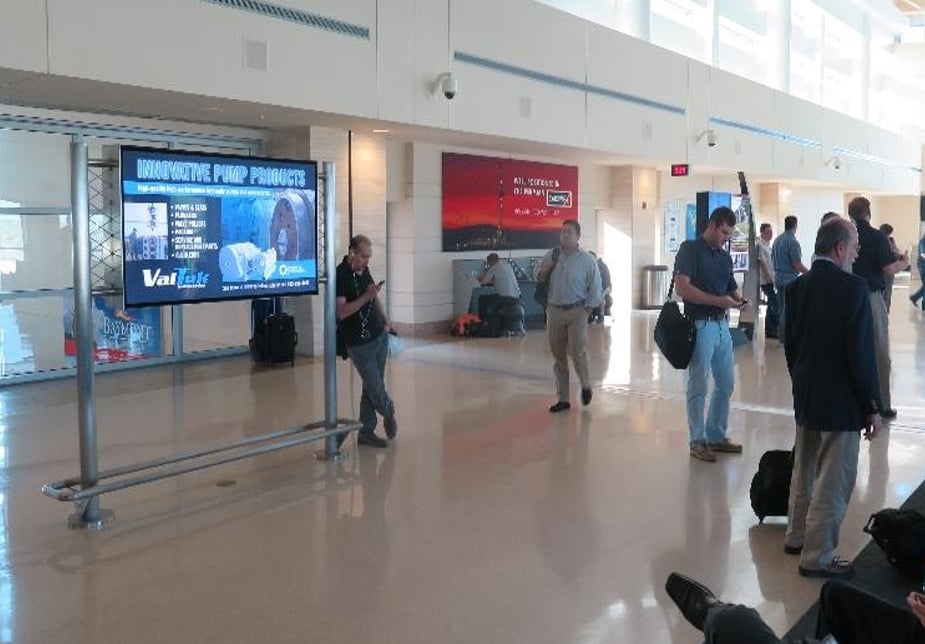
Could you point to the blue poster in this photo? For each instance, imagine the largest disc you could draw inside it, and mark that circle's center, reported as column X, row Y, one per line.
column 118, row 334
column 690, row 228
column 206, row 227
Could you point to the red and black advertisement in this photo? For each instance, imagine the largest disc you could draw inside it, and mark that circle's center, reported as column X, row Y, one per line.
column 499, row 204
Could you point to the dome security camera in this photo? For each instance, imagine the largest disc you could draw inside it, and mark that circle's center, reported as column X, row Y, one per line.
column 449, row 86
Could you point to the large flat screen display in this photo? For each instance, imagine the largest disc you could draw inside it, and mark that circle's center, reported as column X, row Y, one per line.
column 204, row 227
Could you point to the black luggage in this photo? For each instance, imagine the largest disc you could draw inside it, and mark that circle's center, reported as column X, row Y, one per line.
column 901, row 535
column 275, row 337
column 770, row 491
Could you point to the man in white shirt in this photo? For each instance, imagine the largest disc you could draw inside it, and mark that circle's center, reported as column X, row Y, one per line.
column 766, row 274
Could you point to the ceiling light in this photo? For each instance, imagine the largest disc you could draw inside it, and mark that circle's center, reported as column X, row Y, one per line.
column 380, row 131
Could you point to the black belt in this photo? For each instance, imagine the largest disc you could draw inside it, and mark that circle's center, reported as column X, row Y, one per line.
column 713, row 317
column 566, row 307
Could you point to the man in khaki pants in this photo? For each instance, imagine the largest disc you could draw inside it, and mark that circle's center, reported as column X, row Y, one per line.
column 876, row 261
column 574, row 291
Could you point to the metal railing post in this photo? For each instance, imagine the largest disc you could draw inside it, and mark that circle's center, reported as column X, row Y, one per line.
column 88, row 514
column 331, row 449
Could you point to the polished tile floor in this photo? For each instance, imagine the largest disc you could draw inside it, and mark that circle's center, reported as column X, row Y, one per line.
column 488, row 520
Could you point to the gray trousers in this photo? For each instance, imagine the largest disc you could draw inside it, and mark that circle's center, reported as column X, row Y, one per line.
column 882, row 345
column 568, row 336
column 369, row 360
column 825, row 467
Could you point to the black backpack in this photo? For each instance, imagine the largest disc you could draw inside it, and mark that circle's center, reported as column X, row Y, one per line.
column 901, row 535
column 770, row 491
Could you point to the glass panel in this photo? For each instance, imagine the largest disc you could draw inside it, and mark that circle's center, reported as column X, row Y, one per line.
column 35, row 252
column 742, row 51
column 31, row 335
column 35, row 169
column 216, row 325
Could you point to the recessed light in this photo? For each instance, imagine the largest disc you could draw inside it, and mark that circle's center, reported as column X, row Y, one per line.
column 380, row 131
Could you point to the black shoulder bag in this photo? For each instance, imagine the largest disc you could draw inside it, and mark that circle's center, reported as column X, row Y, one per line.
column 542, row 287
column 901, row 535
column 675, row 333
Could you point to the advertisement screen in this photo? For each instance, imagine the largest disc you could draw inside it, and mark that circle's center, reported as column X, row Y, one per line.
column 493, row 203
column 200, row 227
column 737, row 246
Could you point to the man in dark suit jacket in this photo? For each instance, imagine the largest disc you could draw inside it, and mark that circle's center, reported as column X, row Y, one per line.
column 829, row 346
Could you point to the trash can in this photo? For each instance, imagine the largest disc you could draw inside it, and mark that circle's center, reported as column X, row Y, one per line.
column 654, row 286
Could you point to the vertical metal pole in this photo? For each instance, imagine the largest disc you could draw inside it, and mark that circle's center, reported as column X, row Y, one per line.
column 330, row 304
column 176, row 329
column 89, row 515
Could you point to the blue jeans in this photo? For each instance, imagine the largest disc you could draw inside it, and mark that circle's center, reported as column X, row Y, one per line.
column 712, row 353
column 920, row 294
column 369, row 360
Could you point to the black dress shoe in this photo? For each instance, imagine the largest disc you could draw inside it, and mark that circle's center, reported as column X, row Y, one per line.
column 693, row 598
column 391, row 427
column 889, row 414
column 586, row 395
column 560, row 406
column 371, row 440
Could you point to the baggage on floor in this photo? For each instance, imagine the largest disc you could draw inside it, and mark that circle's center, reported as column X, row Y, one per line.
column 770, row 491
column 901, row 535
column 275, row 337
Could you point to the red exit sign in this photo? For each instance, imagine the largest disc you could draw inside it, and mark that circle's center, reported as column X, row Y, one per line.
column 680, row 169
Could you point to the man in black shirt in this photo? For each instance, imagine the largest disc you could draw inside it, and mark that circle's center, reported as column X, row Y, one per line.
column 365, row 328
column 875, row 261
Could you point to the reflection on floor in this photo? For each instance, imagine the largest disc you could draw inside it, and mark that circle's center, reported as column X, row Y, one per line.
column 489, row 520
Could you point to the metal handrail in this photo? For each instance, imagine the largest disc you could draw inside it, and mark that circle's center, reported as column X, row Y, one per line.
column 64, row 490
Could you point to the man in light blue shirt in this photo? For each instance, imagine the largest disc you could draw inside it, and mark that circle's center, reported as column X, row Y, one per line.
column 499, row 274
column 787, row 257
column 574, row 291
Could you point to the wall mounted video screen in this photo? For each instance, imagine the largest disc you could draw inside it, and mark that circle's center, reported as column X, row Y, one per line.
column 205, row 227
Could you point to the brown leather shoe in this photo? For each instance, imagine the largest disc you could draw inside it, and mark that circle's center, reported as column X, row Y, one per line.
column 702, row 452
column 726, row 446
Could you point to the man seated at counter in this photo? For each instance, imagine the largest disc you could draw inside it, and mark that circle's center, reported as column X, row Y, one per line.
column 507, row 292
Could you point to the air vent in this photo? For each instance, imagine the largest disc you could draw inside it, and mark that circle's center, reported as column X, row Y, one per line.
column 295, row 15
column 256, row 55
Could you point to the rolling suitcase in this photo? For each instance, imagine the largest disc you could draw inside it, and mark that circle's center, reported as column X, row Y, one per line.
column 770, row 490
column 275, row 337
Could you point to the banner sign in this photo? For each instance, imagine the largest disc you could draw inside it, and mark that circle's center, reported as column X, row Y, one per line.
column 118, row 334
column 497, row 204
column 674, row 225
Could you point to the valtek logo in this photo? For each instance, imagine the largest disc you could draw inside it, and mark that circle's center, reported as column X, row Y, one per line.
column 560, row 198
column 181, row 278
